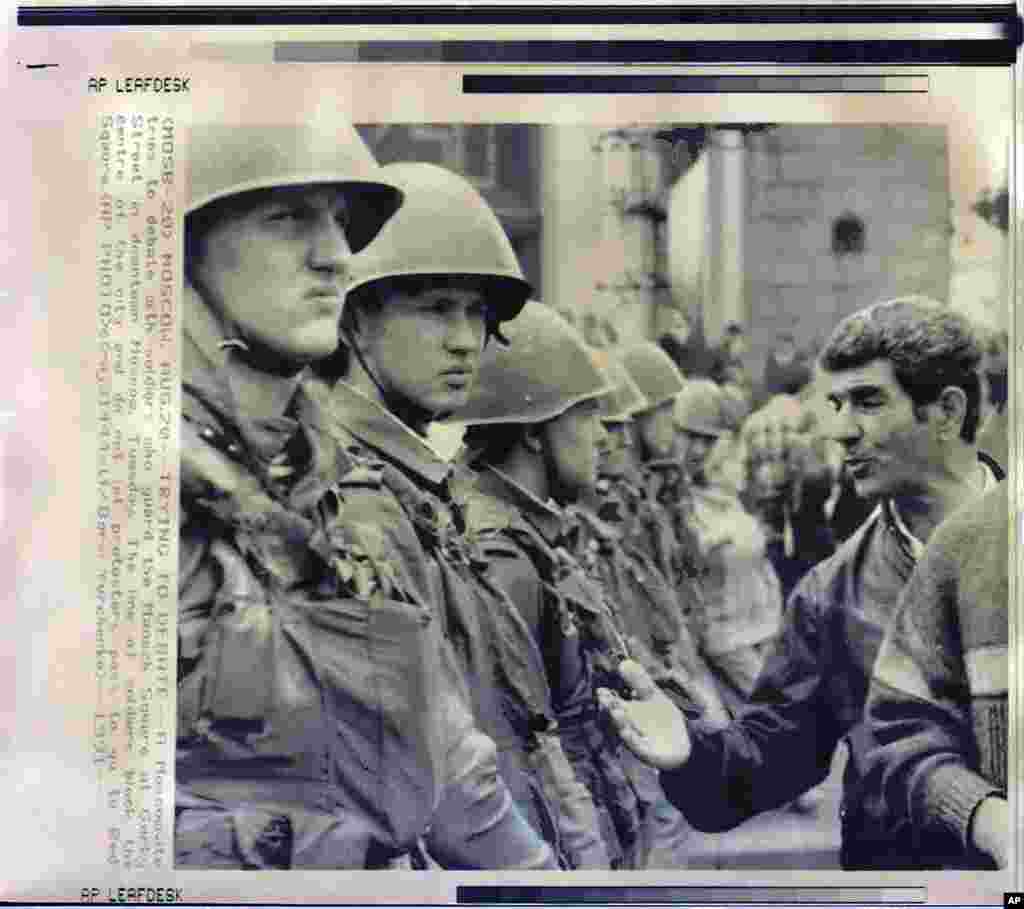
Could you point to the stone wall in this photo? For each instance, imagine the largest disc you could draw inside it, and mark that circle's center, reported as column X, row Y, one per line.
column 893, row 180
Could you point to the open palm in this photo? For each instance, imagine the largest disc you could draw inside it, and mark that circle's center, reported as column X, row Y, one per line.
column 649, row 723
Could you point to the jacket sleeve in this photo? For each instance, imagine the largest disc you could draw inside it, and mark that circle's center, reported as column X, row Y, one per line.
column 476, row 824
column 779, row 746
column 918, row 770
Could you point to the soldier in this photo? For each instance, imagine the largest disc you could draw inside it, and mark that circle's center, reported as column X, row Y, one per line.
column 532, row 426
column 421, row 307
column 316, row 728
column 647, row 610
column 658, row 498
column 741, row 601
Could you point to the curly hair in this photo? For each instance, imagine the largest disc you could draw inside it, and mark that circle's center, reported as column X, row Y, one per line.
column 929, row 346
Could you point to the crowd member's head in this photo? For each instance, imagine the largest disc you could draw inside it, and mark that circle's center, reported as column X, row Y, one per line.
column 273, row 220
column 659, row 381
column 536, row 411
column 700, row 419
column 903, row 380
column 426, row 296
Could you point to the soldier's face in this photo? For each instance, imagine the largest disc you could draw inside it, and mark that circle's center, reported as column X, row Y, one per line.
column 887, row 449
column 570, row 444
column 656, row 430
column 692, row 450
column 425, row 348
column 614, row 448
column 275, row 265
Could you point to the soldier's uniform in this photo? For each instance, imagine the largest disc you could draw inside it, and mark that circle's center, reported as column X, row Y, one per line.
column 545, row 371
column 653, row 503
column 495, row 654
column 318, row 723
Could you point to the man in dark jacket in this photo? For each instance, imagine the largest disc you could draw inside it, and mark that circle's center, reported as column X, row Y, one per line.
column 903, row 383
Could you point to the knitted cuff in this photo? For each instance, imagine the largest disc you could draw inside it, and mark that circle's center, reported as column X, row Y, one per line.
column 952, row 793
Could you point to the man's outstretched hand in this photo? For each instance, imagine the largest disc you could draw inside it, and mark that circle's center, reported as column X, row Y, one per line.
column 650, row 724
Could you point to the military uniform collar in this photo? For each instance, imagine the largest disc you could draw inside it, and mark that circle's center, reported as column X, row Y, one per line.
column 546, row 519
column 375, row 425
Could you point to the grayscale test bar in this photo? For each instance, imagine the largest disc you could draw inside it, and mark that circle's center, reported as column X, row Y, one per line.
column 495, row 894
column 658, row 83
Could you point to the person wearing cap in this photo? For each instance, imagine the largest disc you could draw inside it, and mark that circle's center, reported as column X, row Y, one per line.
column 646, row 607
column 288, row 755
column 902, row 379
column 532, row 425
column 741, row 602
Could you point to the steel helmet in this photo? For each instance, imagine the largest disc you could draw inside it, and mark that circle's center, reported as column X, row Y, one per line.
column 700, row 408
column 625, row 398
column 229, row 160
column 545, row 369
column 445, row 227
column 655, row 374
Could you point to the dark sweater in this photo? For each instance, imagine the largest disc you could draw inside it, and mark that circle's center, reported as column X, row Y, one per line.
column 937, row 709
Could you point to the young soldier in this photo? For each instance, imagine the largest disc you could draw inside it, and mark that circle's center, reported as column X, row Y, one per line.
column 533, row 424
column 936, row 773
column 903, row 382
column 419, row 313
column 316, row 728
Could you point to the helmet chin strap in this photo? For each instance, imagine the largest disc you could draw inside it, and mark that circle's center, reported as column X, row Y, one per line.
column 412, row 415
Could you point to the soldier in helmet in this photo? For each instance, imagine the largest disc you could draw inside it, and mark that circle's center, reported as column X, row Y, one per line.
column 647, row 609
column 424, row 300
column 741, row 604
column 316, row 728
column 532, row 427
column 654, row 491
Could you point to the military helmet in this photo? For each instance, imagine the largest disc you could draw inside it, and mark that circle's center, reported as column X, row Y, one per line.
column 701, row 408
column 230, row 160
column 445, row 227
column 545, row 369
column 625, row 398
column 657, row 377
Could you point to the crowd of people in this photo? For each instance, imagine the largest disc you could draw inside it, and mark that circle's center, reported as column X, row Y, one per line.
column 631, row 606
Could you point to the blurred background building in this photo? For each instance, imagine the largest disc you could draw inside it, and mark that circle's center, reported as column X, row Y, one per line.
column 776, row 231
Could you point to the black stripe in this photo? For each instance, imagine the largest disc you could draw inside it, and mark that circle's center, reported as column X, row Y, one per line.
column 523, row 14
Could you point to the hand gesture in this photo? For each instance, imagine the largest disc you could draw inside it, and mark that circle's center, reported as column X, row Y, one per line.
column 650, row 724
